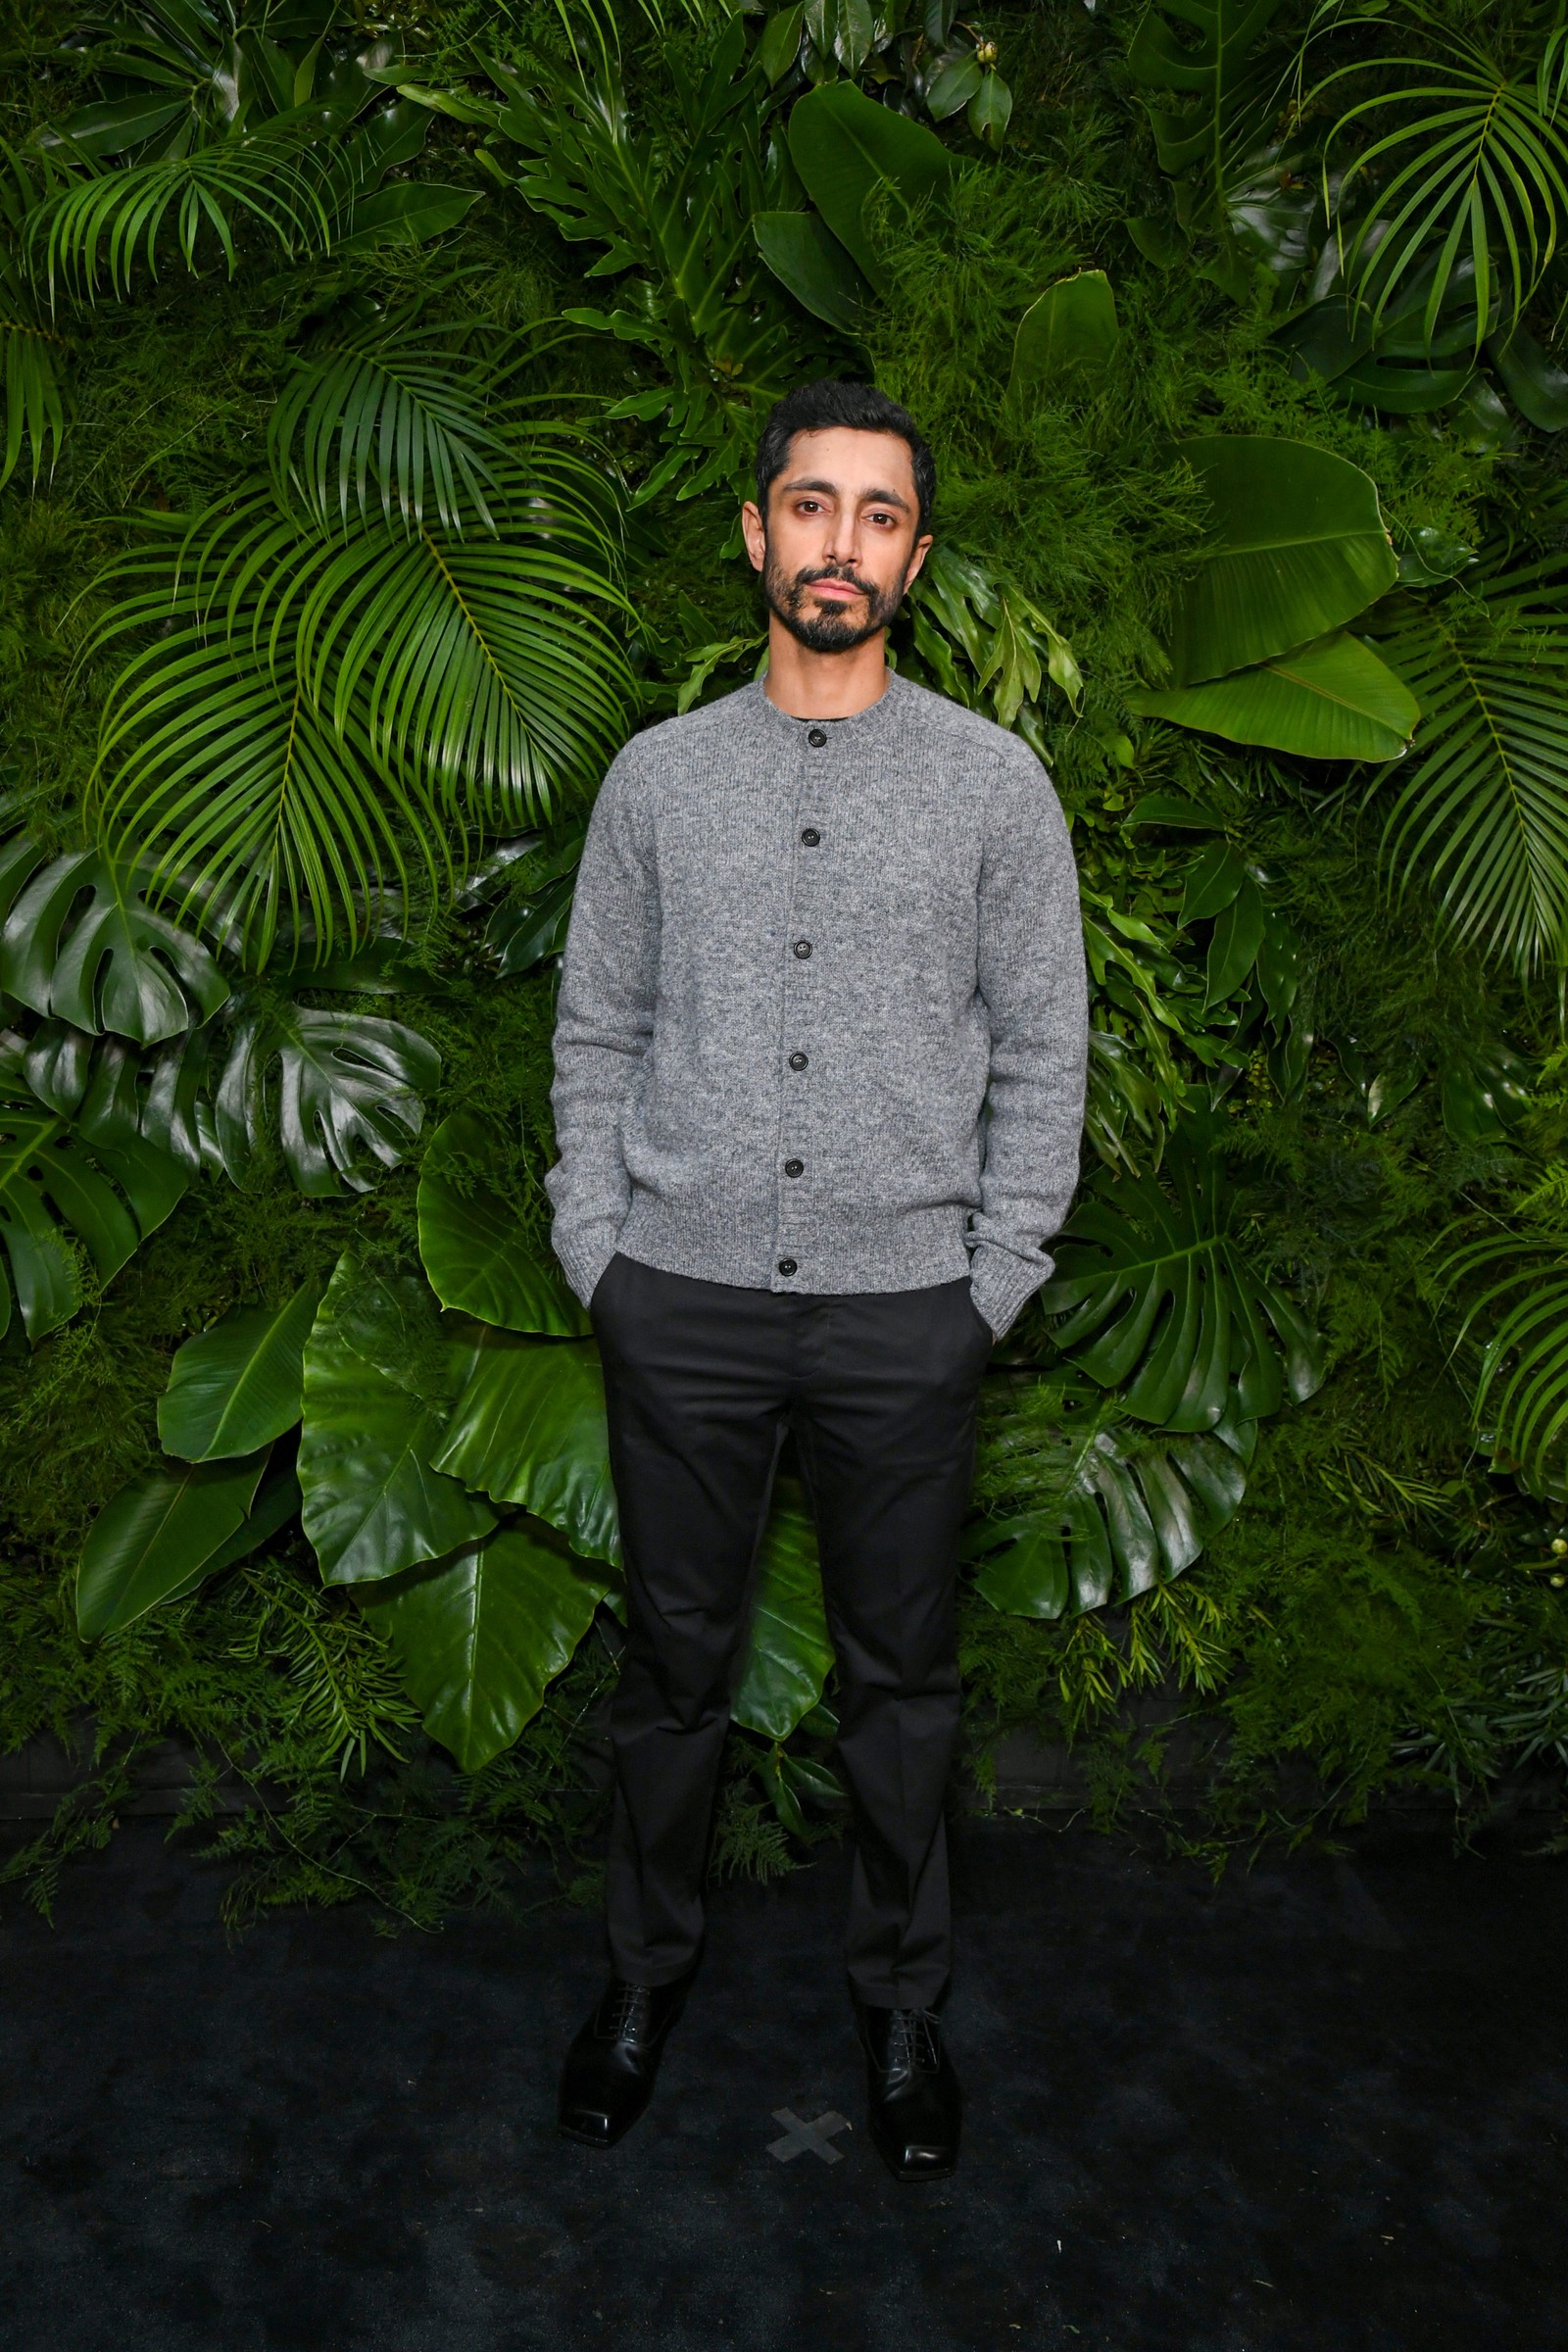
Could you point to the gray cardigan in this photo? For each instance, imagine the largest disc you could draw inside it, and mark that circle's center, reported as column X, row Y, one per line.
column 823, row 1020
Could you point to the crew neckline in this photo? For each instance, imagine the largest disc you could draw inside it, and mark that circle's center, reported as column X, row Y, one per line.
column 864, row 721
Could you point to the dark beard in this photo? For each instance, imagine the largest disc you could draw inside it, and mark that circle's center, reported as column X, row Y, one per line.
column 821, row 629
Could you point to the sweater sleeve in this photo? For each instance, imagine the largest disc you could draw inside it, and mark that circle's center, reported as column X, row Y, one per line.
column 604, row 1025
column 1032, row 979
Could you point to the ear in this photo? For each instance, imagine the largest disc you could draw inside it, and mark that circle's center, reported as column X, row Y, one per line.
column 918, row 556
column 755, row 533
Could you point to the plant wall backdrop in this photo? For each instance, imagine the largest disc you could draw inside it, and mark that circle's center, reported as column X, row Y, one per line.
column 379, row 391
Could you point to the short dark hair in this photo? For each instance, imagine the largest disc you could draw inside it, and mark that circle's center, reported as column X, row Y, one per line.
column 832, row 400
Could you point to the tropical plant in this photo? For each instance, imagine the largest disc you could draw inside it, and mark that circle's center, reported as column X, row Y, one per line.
column 1454, row 157
column 320, row 711
column 221, row 126
column 389, row 579
column 1483, row 813
column 1295, row 547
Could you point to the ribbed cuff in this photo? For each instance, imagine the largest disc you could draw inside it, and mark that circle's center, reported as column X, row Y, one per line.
column 1003, row 1285
column 585, row 1254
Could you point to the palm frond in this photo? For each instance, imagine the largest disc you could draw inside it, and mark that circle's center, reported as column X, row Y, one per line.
column 1472, row 167
column 308, row 716
column 390, row 409
column 101, row 224
column 488, row 665
column 1522, row 1387
column 1484, row 809
column 31, row 353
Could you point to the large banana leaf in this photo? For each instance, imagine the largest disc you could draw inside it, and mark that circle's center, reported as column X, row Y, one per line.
column 845, row 146
column 239, row 1385
column 790, row 1654
column 1124, row 1514
column 65, row 1181
column 1159, row 1302
column 158, row 1535
column 1331, row 699
column 480, row 1637
column 529, row 1427
column 348, row 1089
column 110, row 962
column 1296, row 547
column 1484, row 809
column 379, row 1378
column 473, row 1241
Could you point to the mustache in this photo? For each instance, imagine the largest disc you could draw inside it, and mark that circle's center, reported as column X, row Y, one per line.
column 835, row 572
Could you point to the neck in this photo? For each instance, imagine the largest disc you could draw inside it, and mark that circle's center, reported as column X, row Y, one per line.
column 812, row 685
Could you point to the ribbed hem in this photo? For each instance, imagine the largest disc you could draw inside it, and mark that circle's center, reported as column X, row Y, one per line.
column 585, row 1255
column 1003, row 1285
column 835, row 1255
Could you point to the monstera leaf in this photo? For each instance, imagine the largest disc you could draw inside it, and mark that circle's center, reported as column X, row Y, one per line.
column 238, row 1386
column 479, row 1636
column 379, row 1378
column 1160, row 1302
column 348, row 1091
column 65, row 1179
column 529, row 1427
column 1123, row 1514
column 473, row 1241
column 790, row 1653
column 159, row 1535
column 1296, row 547
column 111, row 963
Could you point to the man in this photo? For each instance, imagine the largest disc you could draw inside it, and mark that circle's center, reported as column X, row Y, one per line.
column 818, row 1095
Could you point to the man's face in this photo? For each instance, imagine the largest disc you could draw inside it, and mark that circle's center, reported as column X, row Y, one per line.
column 839, row 544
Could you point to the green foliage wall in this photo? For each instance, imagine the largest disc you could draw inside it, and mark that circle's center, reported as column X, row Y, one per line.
column 378, row 400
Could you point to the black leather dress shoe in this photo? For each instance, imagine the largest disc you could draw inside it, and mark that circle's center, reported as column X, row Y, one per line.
column 916, row 2107
column 608, row 2076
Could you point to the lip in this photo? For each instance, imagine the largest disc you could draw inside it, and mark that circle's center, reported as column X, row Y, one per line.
column 835, row 592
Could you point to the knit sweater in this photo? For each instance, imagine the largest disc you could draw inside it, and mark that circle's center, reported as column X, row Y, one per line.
column 823, row 1019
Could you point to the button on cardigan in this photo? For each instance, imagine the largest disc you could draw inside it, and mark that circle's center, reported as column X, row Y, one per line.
column 823, row 1019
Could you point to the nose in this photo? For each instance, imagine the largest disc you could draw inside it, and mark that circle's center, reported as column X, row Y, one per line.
column 843, row 541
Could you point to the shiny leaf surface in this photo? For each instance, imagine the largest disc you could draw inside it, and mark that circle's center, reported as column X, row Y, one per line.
column 1296, row 547
column 472, row 1243
column 1160, row 1303
column 529, row 1427
column 788, row 1653
column 157, row 1535
column 1066, row 339
column 480, row 1637
column 238, row 1386
column 379, row 1376
column 1331, row 699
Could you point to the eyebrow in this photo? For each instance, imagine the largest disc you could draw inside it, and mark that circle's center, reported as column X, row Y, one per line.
column 869, row 498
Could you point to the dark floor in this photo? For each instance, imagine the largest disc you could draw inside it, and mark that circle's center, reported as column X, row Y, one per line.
column 1325, row 2105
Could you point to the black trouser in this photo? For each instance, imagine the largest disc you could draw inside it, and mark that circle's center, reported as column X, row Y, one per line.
column 703, row 1380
